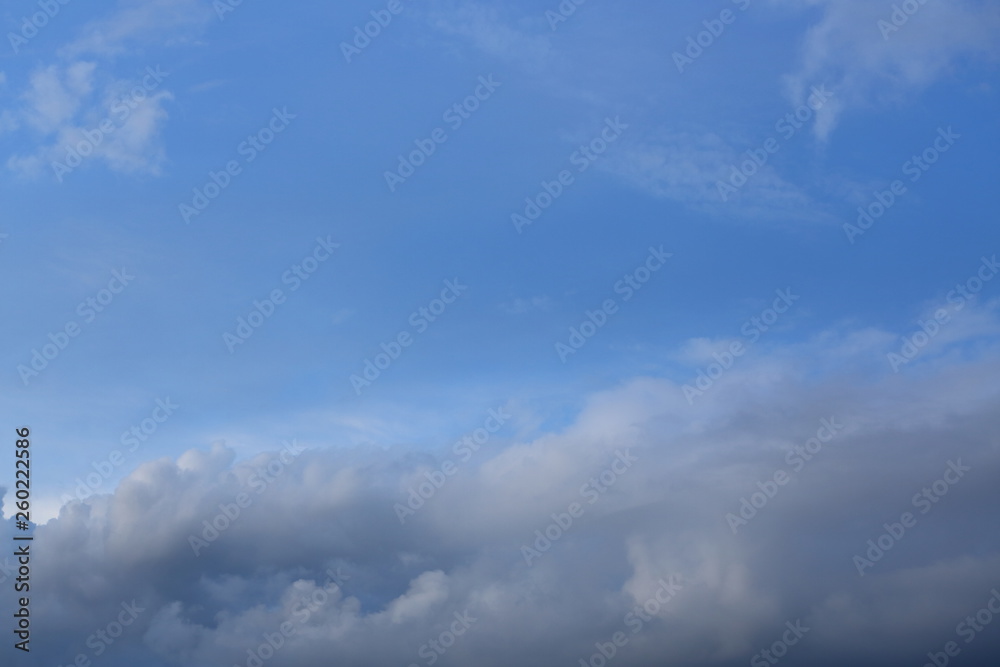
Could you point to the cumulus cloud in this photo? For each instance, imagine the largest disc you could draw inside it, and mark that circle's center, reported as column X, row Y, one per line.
column 531, row 554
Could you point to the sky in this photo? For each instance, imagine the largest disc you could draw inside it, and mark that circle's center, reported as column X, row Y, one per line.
column 491, row 332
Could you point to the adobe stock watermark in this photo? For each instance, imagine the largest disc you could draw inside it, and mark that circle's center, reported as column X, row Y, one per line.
column 455, row 116
column 751, row 331
column 249, row 149
column 787, row 127
column 229, row 513
column 294, row 277
column 301, row 612
column 104, row 638
column 968, row 629
column 779, row 649
column 434, row 648
column 592, row 490
column 924, row 501
column 32, row 25
column 562, row 13
column 363, row 35
column 797, row 458
column 915, row 168
column 130, row 440
column 582, row 158
column 914, row 344
column 714, row 28
column 464, row 448
column 899, row 17
column 420, row 320
column 967, row 291
column 635, row 620
column 627, row 286
column 88, row 309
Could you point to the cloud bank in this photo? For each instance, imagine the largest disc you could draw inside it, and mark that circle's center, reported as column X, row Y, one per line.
column 771, row 508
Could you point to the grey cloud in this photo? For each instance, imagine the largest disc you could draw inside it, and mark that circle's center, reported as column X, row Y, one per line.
column 323, row 528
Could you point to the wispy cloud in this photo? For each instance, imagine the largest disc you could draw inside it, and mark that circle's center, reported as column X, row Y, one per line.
column 688, row 168
column 520, row 306
column 848, row 49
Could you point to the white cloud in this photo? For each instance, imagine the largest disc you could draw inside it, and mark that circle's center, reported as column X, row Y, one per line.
column 136, row 21
column 846, row 49
column 66, row 100
column 687, row 167
column 489, row 28
column 64, row 108
column 56, row 94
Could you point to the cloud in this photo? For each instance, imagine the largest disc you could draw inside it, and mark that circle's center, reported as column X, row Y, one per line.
column 65, row 103
column 489, row 29
column 56, row 94
column 139, row 21
column 688, row 168
column 683, row 165
column 873, row 67
column 655, row 479
column 524, row 39
column 521, row 306
column 120, row 127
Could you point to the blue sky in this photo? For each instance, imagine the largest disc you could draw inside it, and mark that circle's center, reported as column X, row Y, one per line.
column 345, row 121
column 451, row 219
